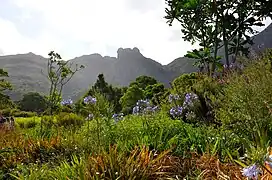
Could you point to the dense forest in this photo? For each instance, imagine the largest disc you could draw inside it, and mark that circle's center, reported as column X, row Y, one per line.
column 213, row 123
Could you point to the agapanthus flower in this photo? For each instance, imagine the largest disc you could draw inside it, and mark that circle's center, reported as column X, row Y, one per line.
column 89, row 100
column 176, row 111
column 136, row 110
column 144, row 106
column 118, row 117
column 189, row 99
column 142, row 103
column 67, row 102
column 251, row 172
column 173, row 97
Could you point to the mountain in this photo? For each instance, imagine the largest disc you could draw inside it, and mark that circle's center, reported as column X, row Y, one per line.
column 26, row 75
column 25, row 69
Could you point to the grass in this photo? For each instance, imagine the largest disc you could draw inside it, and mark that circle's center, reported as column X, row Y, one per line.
column 152, row 146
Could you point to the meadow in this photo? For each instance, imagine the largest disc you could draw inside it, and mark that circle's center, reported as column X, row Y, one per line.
column 202, row 128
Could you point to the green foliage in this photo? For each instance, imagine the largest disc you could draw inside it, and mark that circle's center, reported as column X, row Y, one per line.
column 34, row 102
column 112, row 94
column 155, row 93
column 4, row 84
column 5, row 101
column 17, row 113
column 60, row 72
column 27, row 123
column 213, row 27
column 23, row 114
column 246, row 105
column 144, row 81
column 184, row 82
column 206, row 88
column 129, row 99
column 69, row 120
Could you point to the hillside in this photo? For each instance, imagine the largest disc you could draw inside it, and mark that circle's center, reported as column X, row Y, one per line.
column 25, row 69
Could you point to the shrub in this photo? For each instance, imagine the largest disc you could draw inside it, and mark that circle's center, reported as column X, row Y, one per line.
column 17, row 113
column 69, row 119
column 47, row 121
column 66, row 109
column 24, row 114
column 247, row 103
column 8, row 111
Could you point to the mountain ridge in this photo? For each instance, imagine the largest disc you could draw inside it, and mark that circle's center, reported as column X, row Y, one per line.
column 25, row 69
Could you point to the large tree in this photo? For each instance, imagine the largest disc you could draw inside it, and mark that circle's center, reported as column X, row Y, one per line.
column 215, row 24
column 112, row 94
column 34, row 102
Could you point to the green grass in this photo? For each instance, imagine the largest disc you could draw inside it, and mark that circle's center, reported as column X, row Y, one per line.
column 155, row 146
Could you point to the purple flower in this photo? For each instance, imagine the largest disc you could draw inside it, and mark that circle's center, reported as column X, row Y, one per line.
column 136, row 110
column 176, row 111
column 89, row 100
column 189, row 99
column 251, row 172
column 144, row 106
column 118, row 117
column 173, row 97
column 67, row 102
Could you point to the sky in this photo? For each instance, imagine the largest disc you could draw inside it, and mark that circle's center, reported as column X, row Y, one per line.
column 81, row 27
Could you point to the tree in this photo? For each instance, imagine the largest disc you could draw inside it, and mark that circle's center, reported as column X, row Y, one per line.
column 129, row 99
column 34, row 102
column 143, row 81
column 4, row 85
column 155, row 93
column 112, row 94
column 215, row 24
column 60, row 72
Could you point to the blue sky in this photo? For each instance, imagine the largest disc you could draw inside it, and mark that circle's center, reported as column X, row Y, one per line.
column 77, row 27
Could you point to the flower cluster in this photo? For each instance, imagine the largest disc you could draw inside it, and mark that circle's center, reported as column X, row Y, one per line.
column 173, row 97
column 89, row 100
column 67, row 102
column 254, row 170
column 251, row 172
column 189, row 100
column 144, row 106
column 118, row 117
column 176, row 111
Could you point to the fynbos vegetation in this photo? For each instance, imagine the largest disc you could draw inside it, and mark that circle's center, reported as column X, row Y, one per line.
column 211, row 124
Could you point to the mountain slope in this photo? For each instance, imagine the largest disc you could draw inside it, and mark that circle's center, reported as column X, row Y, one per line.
column 25, row 71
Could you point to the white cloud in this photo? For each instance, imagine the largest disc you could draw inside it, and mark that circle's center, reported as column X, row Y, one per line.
column 102, row 26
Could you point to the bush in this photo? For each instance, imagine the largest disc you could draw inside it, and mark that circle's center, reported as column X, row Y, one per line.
column 24, row 114
column 17, row 113
column 66, row 109
column 69, row 119
column 206, row 88
column 26, row 123
column 246, row 108
column 47, row 121
column 8, row 111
